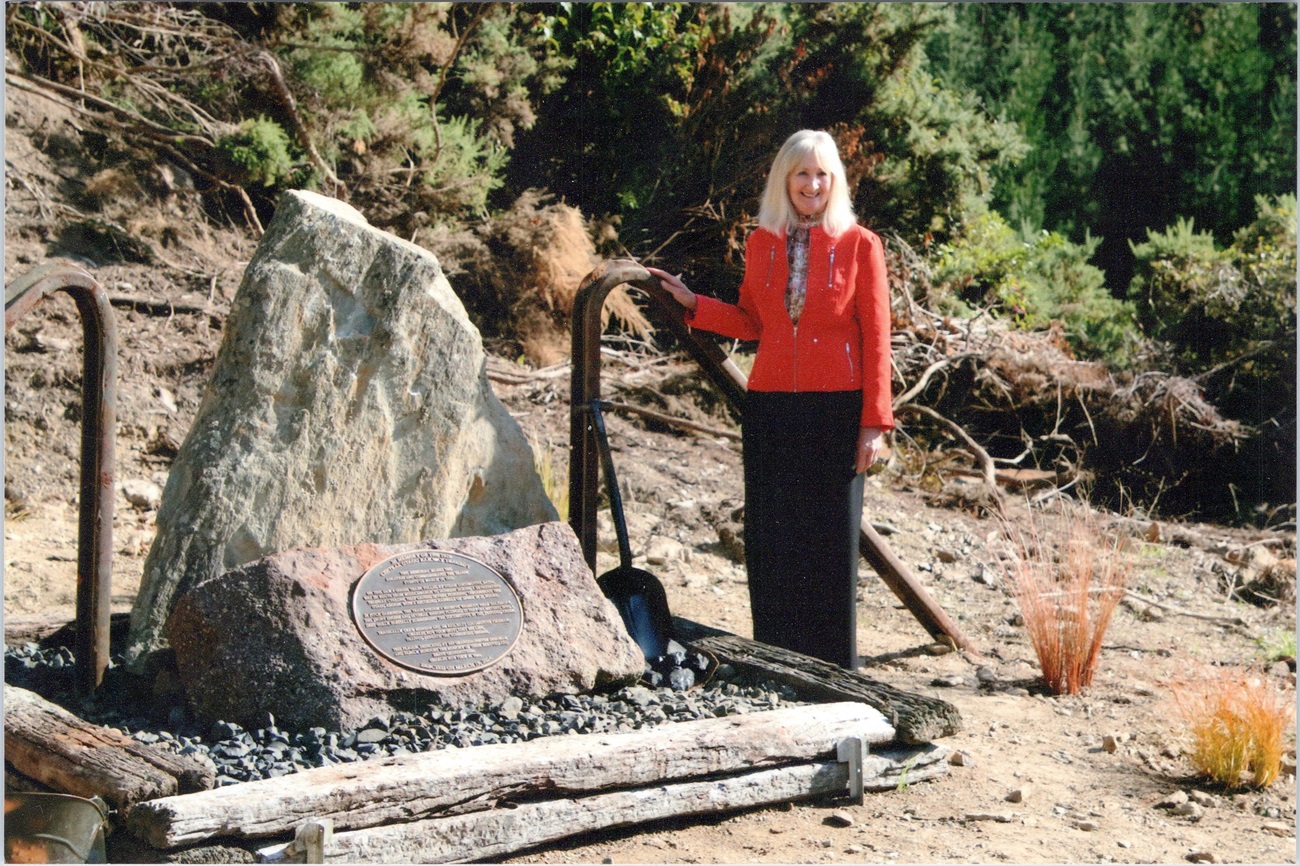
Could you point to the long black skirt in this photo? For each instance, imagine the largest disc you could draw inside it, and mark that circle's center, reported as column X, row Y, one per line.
column 803, row 508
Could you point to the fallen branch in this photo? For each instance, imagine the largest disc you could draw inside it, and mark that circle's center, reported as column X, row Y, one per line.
column 1228, row 621
column 987, row 468
column 162, row 306
column 673, row 421
column 290, row 106
column 112, row 115
column 513, row 375
column 921, row 383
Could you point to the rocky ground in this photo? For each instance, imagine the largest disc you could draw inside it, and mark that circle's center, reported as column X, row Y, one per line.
column 1098, row 777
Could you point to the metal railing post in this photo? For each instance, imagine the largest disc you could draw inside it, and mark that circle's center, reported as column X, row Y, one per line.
column 98, row 431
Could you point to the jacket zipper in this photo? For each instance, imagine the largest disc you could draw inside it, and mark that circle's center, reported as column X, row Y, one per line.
column 794, row 354
column 830, row 285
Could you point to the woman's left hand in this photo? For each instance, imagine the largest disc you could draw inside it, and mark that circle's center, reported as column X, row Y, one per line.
column 871, row 447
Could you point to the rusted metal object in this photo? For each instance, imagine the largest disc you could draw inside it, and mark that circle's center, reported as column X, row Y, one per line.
column 732, row 382
column 54, row 828
column 98, row 431
column 584, row 454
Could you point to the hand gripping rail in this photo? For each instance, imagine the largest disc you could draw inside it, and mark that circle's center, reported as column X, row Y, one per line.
column 98, row 429
column 584, row 462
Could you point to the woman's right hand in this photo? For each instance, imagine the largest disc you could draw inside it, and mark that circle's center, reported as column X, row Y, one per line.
column 675, row 287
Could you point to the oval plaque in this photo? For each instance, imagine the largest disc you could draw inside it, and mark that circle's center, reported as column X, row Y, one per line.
column 437, row 612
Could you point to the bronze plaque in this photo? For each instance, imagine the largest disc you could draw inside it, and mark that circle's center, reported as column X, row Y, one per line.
column 437, row 612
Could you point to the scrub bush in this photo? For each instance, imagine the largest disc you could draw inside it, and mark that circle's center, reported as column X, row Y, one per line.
column 258, row 152
column 1237, row 725
column 1034, row 282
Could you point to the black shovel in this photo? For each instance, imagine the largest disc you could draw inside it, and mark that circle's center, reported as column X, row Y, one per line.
column 636, row 593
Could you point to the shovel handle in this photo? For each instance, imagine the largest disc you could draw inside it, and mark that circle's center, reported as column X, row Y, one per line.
column 615, row 497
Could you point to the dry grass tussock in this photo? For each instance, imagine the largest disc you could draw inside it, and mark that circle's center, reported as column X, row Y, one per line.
column 520, row 272
column 1067, row 596
column 1237, row 725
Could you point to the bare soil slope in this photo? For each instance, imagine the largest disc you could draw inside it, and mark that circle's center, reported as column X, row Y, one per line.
column 1041, row 779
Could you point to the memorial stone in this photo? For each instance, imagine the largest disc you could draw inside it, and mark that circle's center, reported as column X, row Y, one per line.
column 332, row 637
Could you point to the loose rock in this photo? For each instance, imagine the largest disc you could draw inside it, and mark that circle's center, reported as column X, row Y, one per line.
column 240, row 754
column 839, row 818
column 144, row 495
column 1177, row 798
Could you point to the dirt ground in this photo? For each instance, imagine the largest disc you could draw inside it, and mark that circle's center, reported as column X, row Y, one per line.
column 1082, row 779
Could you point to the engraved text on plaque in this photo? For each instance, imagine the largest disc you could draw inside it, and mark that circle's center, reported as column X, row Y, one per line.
column 437, row 612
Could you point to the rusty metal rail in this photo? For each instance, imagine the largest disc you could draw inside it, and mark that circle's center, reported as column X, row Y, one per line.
column 584, row 480
column 98, row 431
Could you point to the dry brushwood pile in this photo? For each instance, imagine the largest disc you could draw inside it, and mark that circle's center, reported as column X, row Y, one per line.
column 999, row 429
column 1029, row 414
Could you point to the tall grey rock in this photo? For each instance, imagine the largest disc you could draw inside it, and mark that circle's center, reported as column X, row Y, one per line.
column 348, row 403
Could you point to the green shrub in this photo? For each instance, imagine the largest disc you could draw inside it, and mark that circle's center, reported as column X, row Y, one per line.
column 1226, row 310
column 258, row 152
column 1035, row 282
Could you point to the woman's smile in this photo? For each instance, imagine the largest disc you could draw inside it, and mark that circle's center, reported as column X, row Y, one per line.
column 809, row 186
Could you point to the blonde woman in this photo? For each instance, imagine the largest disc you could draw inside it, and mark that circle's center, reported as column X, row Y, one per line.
column 815, row 295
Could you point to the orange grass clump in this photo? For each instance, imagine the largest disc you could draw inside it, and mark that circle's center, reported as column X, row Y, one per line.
column 1067, row 600
column 1237, row 724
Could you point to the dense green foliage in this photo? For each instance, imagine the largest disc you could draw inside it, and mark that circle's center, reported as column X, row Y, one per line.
column 1034, row 283
column 1042, row 157
column 671, row 115
column 1137, row 114
column 258, row 151
column 1227, row 315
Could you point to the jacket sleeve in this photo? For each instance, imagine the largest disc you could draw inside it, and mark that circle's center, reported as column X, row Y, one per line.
column 874, row 322
column 738, row 321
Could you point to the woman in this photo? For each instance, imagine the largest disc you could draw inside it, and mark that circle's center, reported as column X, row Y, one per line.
column 816, row 297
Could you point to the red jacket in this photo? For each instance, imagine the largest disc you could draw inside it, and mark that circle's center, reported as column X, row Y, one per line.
column 842, row 341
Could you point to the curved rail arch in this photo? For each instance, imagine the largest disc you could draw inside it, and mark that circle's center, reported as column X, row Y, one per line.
column 98, row 431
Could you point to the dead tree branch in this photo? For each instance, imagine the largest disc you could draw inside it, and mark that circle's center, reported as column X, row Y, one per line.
column 982, row 457
column 290, row 104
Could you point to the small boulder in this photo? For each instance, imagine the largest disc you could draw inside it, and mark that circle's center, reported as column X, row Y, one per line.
column 277, row 635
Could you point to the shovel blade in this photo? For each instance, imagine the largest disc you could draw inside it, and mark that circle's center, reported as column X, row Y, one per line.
column 643, row 607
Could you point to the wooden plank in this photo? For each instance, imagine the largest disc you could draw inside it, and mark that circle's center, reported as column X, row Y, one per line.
column 916, row 718
column 45, row 742
column 487, row 835
column 34, row 628
column 54, row 629
column 453, row 781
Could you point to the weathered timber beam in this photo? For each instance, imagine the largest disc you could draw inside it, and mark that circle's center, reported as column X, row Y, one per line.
column 488, row 835
column 916, row 718
column 906, row 588
column 456, row 781
column 45, row 742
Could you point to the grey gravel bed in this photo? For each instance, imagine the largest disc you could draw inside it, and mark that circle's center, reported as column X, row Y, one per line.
column 240, row 755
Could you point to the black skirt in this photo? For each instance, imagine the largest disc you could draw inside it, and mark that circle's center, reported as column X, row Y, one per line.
column 803, row 509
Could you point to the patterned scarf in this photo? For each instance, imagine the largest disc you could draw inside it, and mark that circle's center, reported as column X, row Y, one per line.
column 796, row 251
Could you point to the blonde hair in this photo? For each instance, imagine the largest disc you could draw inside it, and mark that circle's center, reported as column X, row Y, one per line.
column 776, row 213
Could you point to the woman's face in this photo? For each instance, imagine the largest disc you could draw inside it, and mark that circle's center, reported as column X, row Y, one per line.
column 809, row 186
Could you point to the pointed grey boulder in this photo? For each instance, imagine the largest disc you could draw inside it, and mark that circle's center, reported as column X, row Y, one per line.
column 348, row 404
